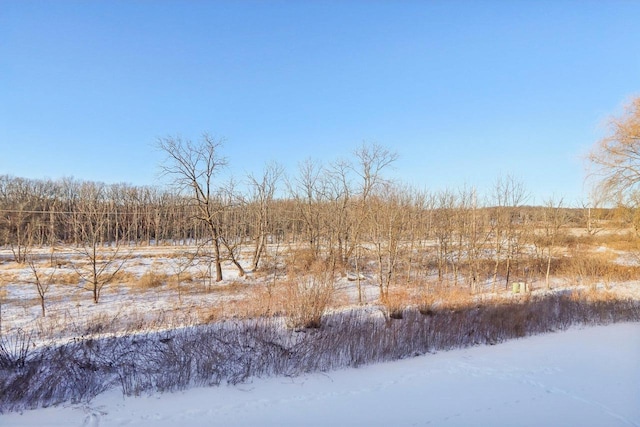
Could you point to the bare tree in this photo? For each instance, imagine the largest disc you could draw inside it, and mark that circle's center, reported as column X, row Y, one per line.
column 371, row 161
column 422, row 230
column 443, row 230
column 193, row 167
column 554, row 219
column 262, row 194
column 590, row 214
column 40, row 278
column 617, row 156
column 390, row 209
column 103, row 260
column 233, row 232
column 507, row 223
column 337, row 213
column 517, row 224
column 17, row 215
column 307, row 190
column 472, row 235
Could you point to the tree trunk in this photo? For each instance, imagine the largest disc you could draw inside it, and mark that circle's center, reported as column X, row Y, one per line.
column 216, row 256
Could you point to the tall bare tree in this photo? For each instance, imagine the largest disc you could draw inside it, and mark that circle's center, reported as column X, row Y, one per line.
column 390, row 210
column 554, row 219
column 443, row 230
column 371, row 161
column 193, row 166
column 263, row 190
column 617, row 156
column 233, row 225
column 103, row 260
column 307, row 190
column 509, row 196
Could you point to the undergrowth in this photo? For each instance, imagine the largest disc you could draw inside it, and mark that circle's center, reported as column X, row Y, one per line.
column 232, row 351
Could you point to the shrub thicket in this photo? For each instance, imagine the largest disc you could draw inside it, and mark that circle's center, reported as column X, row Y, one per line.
column 232, row 351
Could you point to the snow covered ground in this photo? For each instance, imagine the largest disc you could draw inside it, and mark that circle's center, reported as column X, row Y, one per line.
column 581, row 377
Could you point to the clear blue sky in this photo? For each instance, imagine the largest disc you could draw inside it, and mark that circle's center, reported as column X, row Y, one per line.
column 463, row 91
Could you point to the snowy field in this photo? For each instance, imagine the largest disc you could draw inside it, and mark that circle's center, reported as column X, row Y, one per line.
column 70, row 311
column 581, row 377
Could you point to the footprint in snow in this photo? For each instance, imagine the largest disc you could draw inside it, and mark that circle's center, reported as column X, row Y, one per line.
column 92, row 420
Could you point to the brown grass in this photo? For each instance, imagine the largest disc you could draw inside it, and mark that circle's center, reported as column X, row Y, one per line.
column 307, row 299
column 591, row 295
column 395, row 301
column 453, row 298
column 622, row 241
column 175, row 281
column 125, row 277
column 234, row 288
column 7, row 278
column 302, row 300
column 67, row 277
column 258, row 301
column 590, row 268
column 299, row 261
column 151, row 279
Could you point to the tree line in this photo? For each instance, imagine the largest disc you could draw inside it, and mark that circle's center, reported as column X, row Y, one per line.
column 345, row 214
column 344, row 217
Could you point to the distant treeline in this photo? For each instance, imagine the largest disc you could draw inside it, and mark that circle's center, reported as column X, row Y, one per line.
column 339, row 218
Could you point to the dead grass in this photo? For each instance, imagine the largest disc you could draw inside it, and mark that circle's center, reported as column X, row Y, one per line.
column 175, row 281
column 177, row 254
column 259, row 301
column 306, row 300
column 233, row 288
column 301, row 262
column 7, row 278
column 591, row 268
column 67, row 277
column 302, row 300
column 621, row 241
column 396, row 301
column 592, row 295
column 62, row 263
column 304, row 290
column 151, row 279
column 211, row 314
column 451, row 298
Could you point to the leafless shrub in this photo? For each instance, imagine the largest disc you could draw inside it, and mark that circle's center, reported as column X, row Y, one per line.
column 234, row 350
column 15, row 349
column 307, row 298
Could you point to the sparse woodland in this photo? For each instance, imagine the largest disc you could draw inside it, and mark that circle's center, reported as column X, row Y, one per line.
column 283, row 272
column 340, row 220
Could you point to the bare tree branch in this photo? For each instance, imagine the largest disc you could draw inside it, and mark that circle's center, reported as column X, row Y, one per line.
column 617, row 156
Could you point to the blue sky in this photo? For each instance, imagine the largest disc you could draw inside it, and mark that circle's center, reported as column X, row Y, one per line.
column 463, row 91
